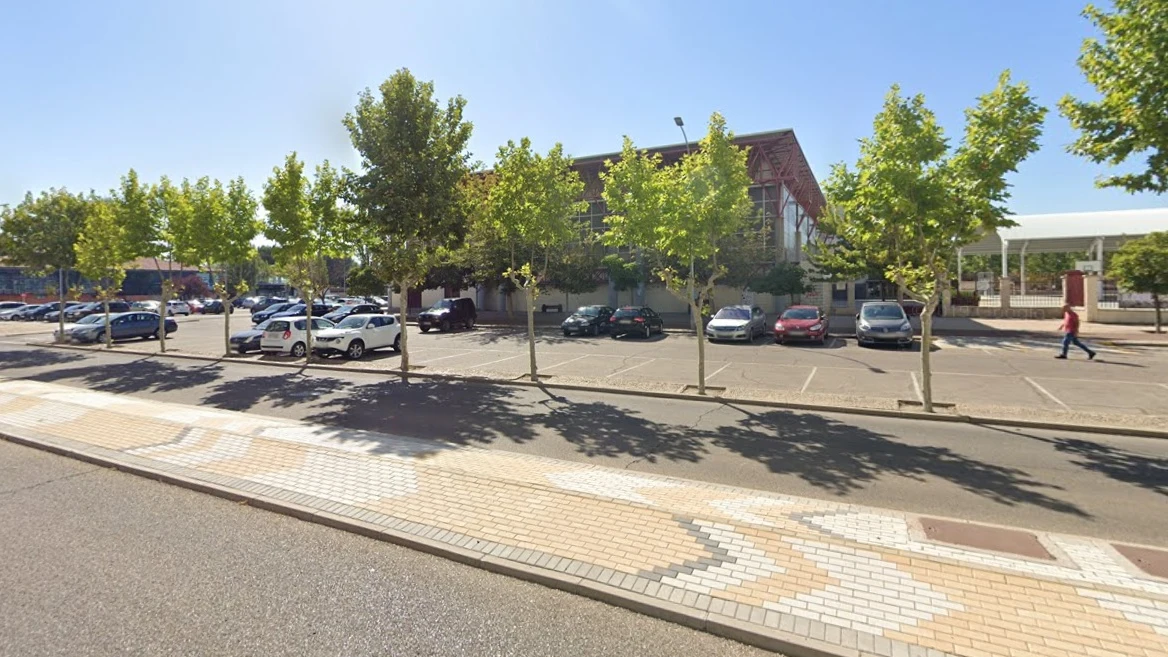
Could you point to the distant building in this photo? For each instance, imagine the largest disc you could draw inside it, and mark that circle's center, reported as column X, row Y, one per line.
column 16, row 283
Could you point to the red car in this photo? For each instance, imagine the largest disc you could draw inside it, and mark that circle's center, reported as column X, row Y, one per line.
column 801, row 323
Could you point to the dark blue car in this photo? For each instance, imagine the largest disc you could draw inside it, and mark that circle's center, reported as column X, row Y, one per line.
column 249, row 340
column 123, row 326
column 267, row 313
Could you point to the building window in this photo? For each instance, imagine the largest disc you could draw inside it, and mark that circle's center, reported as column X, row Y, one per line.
column 763, row 197
column 592, row 219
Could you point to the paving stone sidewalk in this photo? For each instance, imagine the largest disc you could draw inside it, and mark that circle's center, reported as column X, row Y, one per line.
column 841, row 578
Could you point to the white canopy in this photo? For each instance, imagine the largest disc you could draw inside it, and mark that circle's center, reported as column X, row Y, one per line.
column 1071, row 231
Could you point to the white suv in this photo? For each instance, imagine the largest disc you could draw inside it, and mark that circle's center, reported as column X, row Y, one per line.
column 357, row 334
column 178, row 308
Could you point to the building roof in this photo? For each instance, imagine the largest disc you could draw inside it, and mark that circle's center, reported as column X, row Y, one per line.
column 159, row 263
column 1072, row 231
column 775, row 157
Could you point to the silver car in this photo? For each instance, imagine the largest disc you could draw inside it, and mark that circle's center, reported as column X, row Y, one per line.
column 883, row 322
column 737, row 323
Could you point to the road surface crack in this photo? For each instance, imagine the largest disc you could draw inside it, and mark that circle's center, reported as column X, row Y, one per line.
column 648, row 455
column 54, row 480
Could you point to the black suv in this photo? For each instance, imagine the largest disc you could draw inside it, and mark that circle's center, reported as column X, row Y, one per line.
column 635, row 320
column 447, row 314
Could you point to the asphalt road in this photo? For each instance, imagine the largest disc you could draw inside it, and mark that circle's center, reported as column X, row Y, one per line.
column 1111, row 487
column 98, row 562
column 984, row 371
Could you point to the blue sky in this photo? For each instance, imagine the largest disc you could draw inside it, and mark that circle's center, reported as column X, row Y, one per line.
column 88, row 90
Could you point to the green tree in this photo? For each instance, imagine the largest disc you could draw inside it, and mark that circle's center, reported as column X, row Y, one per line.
column 782, row 279
column 413, row 157
column 1129, row 69
column 101, row 254
column 232, row 247
column 306, row 221
column 682, row 212
column 172, row 216
column 41, row 233
column 910, row 202
column 363, row 281
column 623, row 274
column 530, row 208
column 575, row 269
column 1141, row 265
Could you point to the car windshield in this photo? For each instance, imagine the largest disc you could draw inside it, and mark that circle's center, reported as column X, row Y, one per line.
column 733, row 313
column 882, row 311
column 800, row 313
column 262, row 325
column 628, row 312
column 277, row 327
column 588, row 311
column 91, row 319
column 444, row 304
column 351, row 322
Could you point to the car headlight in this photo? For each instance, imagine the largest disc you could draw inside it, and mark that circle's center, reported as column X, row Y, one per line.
column 815, row 327
column 906, row 326
column 779, row 326
column 864, row 326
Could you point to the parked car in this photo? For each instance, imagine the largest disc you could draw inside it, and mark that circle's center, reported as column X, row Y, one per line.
column 176, row 307
column 587, row 320
column 801, row 323
column 84, row 310
column 9, row 314
column 249, row 340
column 88, row 319
column 11, row 305
column 289, row 335
column 122, row 326
column 215, row 307
column 257, row 317
column 883, row 322
column 737, row 323
column 149, row 305
column 355, row 309
column 263, row 303
column 635, row 320
column 448, row 313
column 296, row 310
column 55, row 314
column 357, row 334
column 32, row 311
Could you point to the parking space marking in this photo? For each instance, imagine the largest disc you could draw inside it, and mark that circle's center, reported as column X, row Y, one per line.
column 1046, row 392
column 431, row 360
column 808, row 381
column 716, row 371
column 917, row 387
column 835, row 341
column 496, row 361
column 631, row 368
column 565, row 362
column 1164, row 385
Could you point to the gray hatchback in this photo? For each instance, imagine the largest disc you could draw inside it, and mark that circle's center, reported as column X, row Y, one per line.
column 883, row 322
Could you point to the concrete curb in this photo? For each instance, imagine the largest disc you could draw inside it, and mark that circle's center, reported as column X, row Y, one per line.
column 1112, row 430
column 779, row 641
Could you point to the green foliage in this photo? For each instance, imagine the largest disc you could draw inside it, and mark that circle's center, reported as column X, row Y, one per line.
column 1141, row 265
column 782, row 279
column 41, row 231
column 910, row 202
column 413, row 156
column 575, row 269
column 101, row 252
column 132, row 201
column 363, row 281
column 624, row 274
column 1129, row 69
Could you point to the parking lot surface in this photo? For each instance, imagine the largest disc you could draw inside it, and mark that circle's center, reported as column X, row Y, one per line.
column 1008, row 372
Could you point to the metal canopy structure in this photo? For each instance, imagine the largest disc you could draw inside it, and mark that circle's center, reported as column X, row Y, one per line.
column 1089, row 233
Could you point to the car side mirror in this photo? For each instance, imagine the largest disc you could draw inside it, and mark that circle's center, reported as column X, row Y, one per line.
column 857, row 316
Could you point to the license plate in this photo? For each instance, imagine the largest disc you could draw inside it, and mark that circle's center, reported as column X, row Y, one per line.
column 626, row 321
column 797, row 334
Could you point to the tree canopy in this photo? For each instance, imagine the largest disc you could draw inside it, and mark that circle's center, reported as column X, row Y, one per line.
column 1129, row 69
column 1141, row 265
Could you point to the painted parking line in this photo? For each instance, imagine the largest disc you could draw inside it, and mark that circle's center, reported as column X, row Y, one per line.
column 1045, row 392
column 917, row 387
column 496, row 361
column 631, row 368
column 431, row 360
column 716, row 371
column 565, row 362
column 808, row 381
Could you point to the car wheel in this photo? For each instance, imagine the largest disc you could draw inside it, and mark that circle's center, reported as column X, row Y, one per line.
column 397, row 343
column 469, row 323
column 567, row 333
column 648, row 331
column 298, row 350
column 596, row 329
column 424, row 329
column 356, row 350
column 241, row 349
column 444, row 326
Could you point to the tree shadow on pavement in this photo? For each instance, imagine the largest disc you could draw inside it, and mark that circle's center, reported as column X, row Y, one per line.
column 142, row 375
column 1150, row 472
column 451, row 411
column 841, row 458
column 14, row 360
column 280, row 389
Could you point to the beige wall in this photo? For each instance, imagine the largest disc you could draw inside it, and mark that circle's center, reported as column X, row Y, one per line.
column 1139, row 316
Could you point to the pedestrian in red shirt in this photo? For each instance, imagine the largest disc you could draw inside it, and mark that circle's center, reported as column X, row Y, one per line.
column 1070, row 328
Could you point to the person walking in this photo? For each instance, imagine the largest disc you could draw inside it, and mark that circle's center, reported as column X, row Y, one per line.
column 1070, row 329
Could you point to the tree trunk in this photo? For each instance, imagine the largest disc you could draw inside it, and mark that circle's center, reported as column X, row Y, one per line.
column 530, row 293
column 308, row 331
column 226, row 318
column 1156, row 304
column 926, row 346
column 109, row 330
column 694, row 310
column 162, row 299
column 61, row 305
column 405, row 311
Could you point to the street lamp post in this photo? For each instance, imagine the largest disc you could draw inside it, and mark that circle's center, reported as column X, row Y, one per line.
column 693, row 317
